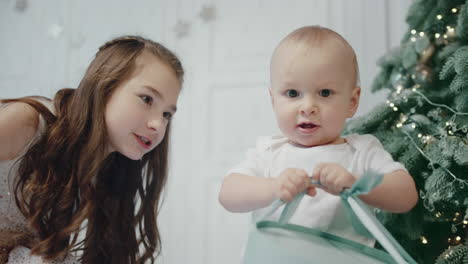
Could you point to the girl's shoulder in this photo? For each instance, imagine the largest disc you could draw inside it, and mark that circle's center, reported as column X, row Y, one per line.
column 19, row 122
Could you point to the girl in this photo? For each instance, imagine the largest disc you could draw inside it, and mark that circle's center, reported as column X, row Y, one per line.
column 96, row 159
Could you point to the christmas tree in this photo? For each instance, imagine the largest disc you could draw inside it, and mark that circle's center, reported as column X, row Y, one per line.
column 424, row 125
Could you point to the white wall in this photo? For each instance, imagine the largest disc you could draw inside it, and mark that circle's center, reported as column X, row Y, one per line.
column 225, row 48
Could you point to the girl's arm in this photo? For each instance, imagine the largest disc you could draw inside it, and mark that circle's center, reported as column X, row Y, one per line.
column 18, row 125
column 397, row 193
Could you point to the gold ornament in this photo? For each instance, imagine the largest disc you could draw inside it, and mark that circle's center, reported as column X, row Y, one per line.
column 426, row 54
column 422, row 74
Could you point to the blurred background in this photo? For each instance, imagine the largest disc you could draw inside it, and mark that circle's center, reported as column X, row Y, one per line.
column 225, row 48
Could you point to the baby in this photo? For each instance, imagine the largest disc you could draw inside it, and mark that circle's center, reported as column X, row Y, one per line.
column 314, row 89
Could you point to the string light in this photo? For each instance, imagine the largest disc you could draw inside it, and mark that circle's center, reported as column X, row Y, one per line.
column 451, row 128
column 424, row 240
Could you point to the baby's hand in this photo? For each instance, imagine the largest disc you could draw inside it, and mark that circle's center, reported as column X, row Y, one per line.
column 333, row 177
column 290, row 183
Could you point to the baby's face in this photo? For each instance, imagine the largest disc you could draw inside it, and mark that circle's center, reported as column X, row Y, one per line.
column 313, row 92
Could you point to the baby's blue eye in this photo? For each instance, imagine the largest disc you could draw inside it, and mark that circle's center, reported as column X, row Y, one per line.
column 292, row 93
column 325, row 92
column 147, row 99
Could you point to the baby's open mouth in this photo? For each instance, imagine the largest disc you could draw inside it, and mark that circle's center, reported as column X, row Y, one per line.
column 307, row 125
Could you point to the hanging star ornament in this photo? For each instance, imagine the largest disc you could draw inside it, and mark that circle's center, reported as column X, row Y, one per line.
column 208, row 13
column 182, row 29
column 21, row 5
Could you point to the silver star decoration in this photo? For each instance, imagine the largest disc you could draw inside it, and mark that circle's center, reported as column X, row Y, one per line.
column 21, row 5
column 182, row 29
column 208, row 13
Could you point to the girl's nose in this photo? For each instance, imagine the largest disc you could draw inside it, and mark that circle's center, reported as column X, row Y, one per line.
column 156, row 124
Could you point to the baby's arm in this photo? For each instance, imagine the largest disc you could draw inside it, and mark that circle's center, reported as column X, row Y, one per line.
column 397, row 192
column 18, row 124
column 244, row 193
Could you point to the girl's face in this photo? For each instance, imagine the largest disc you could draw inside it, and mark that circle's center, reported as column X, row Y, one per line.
column 139, row 110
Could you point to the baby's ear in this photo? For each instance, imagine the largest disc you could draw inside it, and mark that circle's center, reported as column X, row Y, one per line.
column 354, row 103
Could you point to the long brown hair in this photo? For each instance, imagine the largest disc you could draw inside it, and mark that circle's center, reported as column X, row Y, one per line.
column 67, row 181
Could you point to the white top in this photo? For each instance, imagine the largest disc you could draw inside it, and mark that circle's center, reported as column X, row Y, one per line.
column 10, row 216
column 324, row 211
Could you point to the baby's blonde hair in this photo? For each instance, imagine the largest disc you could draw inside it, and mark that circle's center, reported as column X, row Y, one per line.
column 316, row 36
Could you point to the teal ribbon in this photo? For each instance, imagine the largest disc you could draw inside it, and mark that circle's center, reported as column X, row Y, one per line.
column 368, row 181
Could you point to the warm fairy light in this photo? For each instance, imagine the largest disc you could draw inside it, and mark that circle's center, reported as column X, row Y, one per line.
column 438, row 214
column 439, row 17
column 445, row 36
column 419, row 135
column 399, row 125
column 413, row 39
column 454, row 10
column 447, row 123
column 392, row 104
column 449, row 239
column 465, row 222
column 421, row 34
column 413, row 31
column 457, row 214
column 388, row 101
column 395, row 108
column 399, row 88
column 458, row 238
column 437, row 35
column 423, row 240
column 425, row 139
column 413, row 126
column 450, row 132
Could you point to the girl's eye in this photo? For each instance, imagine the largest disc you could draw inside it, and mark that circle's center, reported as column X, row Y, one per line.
column 167, row 115
column 325, row 92
column 292, row 93
column 147, row 99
